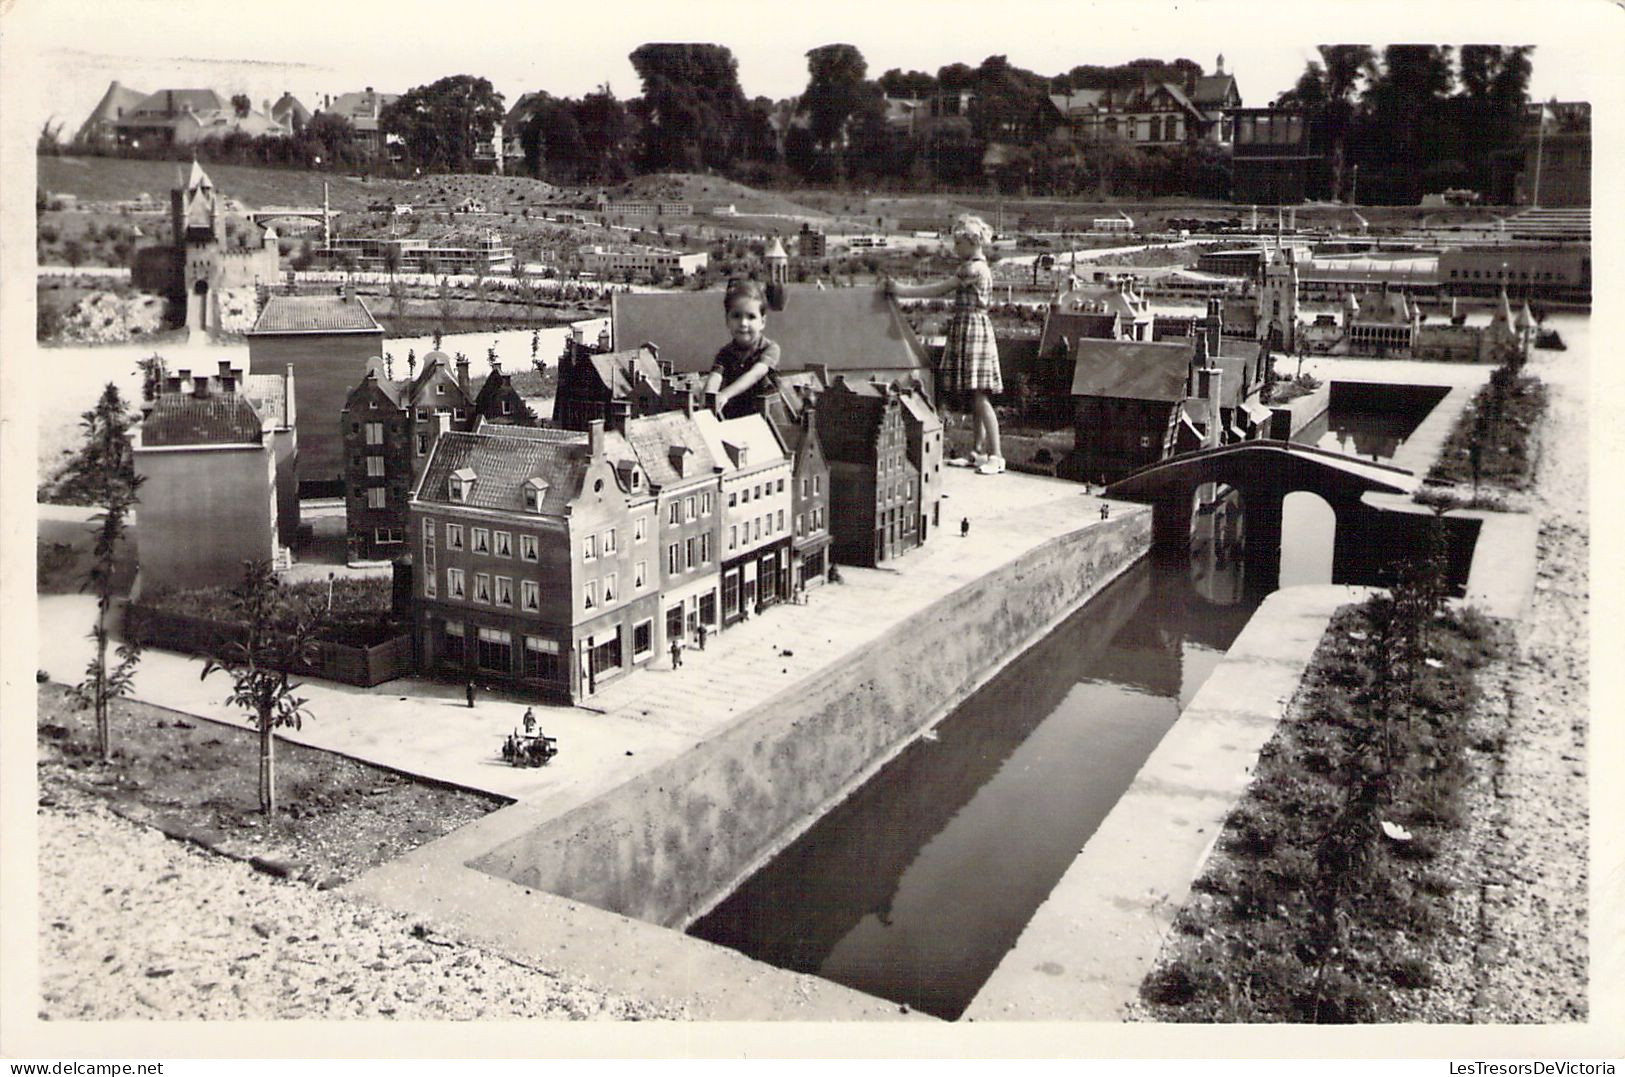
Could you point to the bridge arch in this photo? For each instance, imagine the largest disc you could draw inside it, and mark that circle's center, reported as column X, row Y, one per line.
column 1264, row 472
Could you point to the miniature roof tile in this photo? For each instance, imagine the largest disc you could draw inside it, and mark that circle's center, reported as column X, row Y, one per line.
column 653, row 438
column 503, row 460
column 183, row 419
column 1131, row 370
column 841, row 328
column 753, row 433
column 1074, row 325
column 269, row 395
column 315, row 314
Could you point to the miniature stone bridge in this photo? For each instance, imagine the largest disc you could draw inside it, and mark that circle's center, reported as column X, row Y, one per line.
column 1264, row 472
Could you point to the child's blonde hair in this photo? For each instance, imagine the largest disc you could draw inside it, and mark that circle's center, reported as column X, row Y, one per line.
column 972, row 227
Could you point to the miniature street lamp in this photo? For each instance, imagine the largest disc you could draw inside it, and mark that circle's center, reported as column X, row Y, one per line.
column 330, row 577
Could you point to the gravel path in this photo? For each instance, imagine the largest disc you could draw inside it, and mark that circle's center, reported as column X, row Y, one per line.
column 178, row 934
column 1532, row 953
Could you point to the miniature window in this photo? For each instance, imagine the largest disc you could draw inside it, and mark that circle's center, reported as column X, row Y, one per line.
column 527, row 548
column 733, row 500
column 733, row 536
column 640, row 575
column 673, row 563
column 590, row 595
column 375, row 467
column 780, row 487
column 480, row 540
column 689, row 508
column 460, row 484
column 530, row 595
column 430, row 584
column 453, row 641
column 504, row 591
column 375, row 433
column 675, row 515
column 706, row 505
column 612, row 588
column 375, row 497
column 482, row 587
column 640, row 529
column 781, row 520
column 705, row 548
column 609, row 541
column 423, row 444
column 589, row 548
column 690, row 551
column 642, row 638
column 454, row 536
column 454, row 583
column 440, row 389
column 535, row 490
column 818, row 484
column 502, row 543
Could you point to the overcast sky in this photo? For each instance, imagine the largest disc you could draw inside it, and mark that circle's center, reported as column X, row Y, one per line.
column 570, row 49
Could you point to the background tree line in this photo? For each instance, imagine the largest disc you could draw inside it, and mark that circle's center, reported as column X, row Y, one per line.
column 1399, row 123
column 1417, row 119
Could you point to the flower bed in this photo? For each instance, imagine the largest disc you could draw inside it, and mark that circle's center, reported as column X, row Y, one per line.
column 1325, row 899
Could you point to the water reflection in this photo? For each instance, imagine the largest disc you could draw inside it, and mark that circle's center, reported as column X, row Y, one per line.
column 1218, row 544
column 912, row 889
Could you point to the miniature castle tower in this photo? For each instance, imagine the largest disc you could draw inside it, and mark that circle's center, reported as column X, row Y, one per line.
column 195, row 216
column 778, row 273
column 1278, row 301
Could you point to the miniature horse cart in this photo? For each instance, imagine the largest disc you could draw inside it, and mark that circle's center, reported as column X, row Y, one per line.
column 529, row 750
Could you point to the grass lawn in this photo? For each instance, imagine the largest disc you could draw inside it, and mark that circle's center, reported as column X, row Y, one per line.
column 194, row 777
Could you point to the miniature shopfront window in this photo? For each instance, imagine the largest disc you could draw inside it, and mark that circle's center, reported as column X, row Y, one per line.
column 451, row 641
column 541, row 658
column 495, row 650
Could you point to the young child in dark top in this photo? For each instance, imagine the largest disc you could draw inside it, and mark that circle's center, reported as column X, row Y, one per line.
column 749, row 357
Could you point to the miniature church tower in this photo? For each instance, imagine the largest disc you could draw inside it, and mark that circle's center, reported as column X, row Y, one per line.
column 1278, row 301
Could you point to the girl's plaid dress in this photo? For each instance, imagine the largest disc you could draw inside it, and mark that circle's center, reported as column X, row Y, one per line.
column 971, row 358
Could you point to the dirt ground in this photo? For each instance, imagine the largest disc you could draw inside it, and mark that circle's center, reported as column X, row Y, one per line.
column 198, row 779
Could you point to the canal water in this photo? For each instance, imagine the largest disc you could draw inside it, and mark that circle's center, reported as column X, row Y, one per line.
column 915, row 887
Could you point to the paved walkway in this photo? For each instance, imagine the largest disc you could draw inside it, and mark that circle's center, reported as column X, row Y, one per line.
column 643, row 718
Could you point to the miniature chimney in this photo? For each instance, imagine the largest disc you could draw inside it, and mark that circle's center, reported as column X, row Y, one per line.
column 604, row 339
column 577, row 335
column 620, row 410
column 200, row 386
column 595, row 439
column 462, row 372
column 1215, row 325
column 228, row 377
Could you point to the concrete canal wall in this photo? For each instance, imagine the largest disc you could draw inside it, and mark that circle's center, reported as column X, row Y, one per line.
column 668, row 845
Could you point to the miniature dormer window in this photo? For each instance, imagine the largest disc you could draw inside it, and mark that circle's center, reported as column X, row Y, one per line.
column 460, row 484
column 535, row 490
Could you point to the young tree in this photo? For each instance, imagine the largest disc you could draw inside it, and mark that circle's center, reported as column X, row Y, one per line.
column 277, row 639
column 107, row 466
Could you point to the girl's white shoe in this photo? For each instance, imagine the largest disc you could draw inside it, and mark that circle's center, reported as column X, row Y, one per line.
column 991, row 465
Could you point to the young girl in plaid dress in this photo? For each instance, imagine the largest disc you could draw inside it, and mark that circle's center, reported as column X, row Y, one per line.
column 970, row 362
